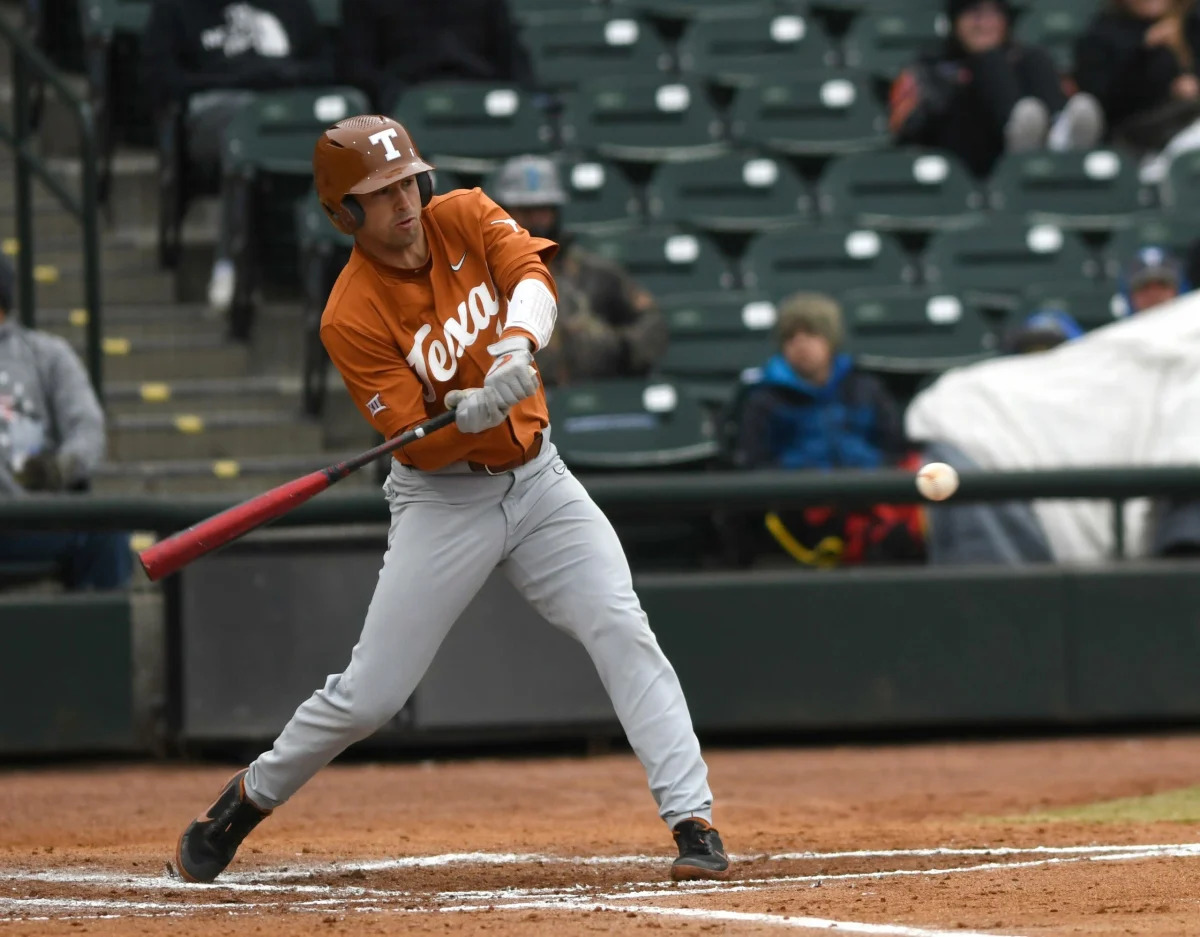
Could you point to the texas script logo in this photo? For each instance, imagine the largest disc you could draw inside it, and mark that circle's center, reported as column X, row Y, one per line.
column 440, row 362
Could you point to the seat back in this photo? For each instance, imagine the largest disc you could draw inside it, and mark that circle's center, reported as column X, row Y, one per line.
column 1093, row 190
column 827, row 259
column 738, row 47
column 736, row 192
column 667, row 261
column 569, row 50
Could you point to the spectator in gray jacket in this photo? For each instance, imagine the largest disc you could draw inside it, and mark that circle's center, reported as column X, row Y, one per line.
column 51, row 439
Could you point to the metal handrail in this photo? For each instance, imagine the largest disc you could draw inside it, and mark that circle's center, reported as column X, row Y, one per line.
column 647, row 494
column 28, row 64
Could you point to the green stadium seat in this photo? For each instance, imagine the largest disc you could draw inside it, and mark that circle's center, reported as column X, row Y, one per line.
column 914, row 331
column 686, row 10
column 667, row 261
column 1055, row 25
column 601, row 198
column 1175, row 232
column 995, row 261
column 1091, row 304
column 329, row 13
column 716, row 339
column 1181, row 188
column 856, row 7
column 736, row 48
column 886, row 41
column 648, row 120
column 566, row 52
column 903, row 189
column 1097, row 190
column 737, row 193
column 826, row 259
column 471, row 127
column 534, row 11
column 630, row 424
column 274, row 132
column 810, row 115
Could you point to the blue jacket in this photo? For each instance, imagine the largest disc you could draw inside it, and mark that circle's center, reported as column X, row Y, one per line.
column 788, row 422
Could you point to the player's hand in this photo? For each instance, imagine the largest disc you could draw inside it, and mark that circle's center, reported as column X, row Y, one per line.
column 512, row 374
column 476, row 409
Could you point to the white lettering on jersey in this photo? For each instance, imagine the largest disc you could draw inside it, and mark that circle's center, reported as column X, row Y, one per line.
column 439, row 363
column 385, row 137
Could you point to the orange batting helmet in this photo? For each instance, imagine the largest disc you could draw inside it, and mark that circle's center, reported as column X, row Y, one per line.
column 362, row 154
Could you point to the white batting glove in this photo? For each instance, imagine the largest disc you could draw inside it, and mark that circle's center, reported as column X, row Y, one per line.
column 476, row 409
column 512, row 374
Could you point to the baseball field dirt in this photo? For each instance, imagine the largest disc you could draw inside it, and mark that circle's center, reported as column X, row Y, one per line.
column 907, row 840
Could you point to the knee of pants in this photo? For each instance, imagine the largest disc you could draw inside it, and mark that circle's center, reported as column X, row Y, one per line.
column 366, row 715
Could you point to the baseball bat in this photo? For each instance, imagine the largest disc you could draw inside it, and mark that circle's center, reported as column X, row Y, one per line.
column 172, row 554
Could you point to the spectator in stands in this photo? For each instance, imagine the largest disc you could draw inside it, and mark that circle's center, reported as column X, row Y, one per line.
column 608, row 326
column 983, row 94
column 51, row 437
column 1154, row 276
column 388, row 47
column 203, row 59
column 813, row 409
column 1043, row 330
column 1138, row 59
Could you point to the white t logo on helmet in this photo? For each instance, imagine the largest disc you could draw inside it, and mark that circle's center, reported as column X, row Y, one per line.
column 385, row 137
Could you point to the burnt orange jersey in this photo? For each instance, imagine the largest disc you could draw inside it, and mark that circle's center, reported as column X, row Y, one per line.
column 402, row 339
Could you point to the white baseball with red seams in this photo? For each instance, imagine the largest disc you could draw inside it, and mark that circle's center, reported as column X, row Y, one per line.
column 937, row 481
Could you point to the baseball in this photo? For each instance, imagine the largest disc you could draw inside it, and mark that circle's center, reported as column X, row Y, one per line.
column 937, row 481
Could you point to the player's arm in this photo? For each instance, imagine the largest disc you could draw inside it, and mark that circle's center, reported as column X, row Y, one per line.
column 517, row 262
column 385, row 389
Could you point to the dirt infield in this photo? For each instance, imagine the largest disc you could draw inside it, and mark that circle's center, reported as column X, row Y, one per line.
column 893, row 840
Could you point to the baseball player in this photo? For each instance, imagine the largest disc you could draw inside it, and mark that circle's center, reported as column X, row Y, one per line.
column 443, row 303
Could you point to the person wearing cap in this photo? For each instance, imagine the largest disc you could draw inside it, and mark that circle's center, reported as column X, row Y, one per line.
column 1154, row 276
column 51, row 438
column 983, row 94
column 1042, row 330
column 608, row 326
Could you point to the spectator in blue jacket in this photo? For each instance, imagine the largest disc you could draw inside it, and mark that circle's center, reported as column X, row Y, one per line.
column 812, row 408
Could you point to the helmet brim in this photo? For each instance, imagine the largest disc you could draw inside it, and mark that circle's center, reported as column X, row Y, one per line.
column 386, row 176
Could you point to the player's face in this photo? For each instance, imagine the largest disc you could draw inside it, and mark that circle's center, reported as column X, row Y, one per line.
column 393, row 216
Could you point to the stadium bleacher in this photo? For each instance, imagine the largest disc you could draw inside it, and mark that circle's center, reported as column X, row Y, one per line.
column 725, row 153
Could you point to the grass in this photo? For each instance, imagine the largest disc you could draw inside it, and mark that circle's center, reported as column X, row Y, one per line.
column 1181, row 806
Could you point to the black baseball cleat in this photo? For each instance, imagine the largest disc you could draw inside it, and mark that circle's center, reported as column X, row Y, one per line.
column 209, row 843
column 701, row 852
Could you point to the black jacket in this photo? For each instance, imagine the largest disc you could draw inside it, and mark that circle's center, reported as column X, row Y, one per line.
column 1127, row 77
column 201, row 45
column 388, row 46
column 961, row 103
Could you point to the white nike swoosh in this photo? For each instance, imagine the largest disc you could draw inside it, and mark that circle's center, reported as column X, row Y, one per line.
column 455, row 267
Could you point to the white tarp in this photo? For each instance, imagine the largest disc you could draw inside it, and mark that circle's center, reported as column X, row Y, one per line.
column 1124, row 395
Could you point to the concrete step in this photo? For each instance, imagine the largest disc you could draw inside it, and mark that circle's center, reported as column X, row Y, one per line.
column 171, row 359
column 240, row 478
column 220, row 435
column 48, row 221
column 65, row 251
column 136, row 323
column 264, row 393
column 63, row 286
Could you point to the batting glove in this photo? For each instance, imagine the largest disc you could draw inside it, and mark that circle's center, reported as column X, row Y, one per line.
column 512, row 374
column 476, row 409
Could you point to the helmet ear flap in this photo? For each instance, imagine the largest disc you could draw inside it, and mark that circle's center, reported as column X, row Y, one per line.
column 425, row 187
column 352, row 208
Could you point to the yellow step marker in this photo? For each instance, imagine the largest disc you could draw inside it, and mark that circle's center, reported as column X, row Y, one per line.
column 227, row 468
column 142, row 541
column 10, row 247
column 155, row 392
column 189, row 423
column 78, row 318
column 116, row 346
column 45, row 273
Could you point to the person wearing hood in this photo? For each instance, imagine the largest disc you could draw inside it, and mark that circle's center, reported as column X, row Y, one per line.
column 1138, row 59
column 608, row 326
column 812, row 408
column 984, row 95
column 51, row 438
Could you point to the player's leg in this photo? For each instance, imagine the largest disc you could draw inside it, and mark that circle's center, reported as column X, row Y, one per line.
column 567, row 561
column 446, row 537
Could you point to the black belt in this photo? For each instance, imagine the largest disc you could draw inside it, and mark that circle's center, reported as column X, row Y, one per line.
column 527, row 456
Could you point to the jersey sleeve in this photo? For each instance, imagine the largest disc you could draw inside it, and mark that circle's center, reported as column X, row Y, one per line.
column 382, row 385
